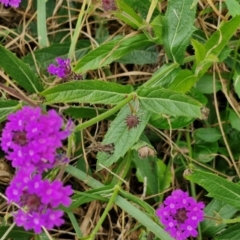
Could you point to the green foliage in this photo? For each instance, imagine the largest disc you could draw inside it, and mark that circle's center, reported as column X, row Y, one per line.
column 216, row 185
column 171, row 66
column 178, row 28
column 111, row 51
column 90, row 91
column 19, row 71
column 7, row 107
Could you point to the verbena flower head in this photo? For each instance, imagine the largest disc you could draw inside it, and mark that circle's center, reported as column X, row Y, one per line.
column 11, row 3
column 63, row 68
column 30, row 138
column 180, row 214
column 39, row 198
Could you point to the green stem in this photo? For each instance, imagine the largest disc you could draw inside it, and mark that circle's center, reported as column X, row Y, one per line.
column 105, row 213
column 151, row 10
column 41, row 23
column 104, row 115
column 78, row 29
column 192, row 184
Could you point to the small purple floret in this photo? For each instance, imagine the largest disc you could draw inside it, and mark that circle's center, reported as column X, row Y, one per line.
column 63, row 68
column 30, row 138
column 181, row 214
column 11, row 3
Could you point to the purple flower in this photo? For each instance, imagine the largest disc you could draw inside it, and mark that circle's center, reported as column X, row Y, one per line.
column 63, row 68
column 39, row 198
column 12, row 3
column 181, row 214
column 31, row 138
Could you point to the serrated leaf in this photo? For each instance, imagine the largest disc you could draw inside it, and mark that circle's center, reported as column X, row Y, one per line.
column 178, row 28
column 216, row 209
column 19, row 71
column 111, row 51
column 122, row 137
column 218, row 187
column 168, row 102
column 7, row 107
column 88, row 91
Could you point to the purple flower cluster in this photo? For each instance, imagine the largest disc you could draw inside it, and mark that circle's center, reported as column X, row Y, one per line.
column 63, row 68
column 181, row 214
column 30, row 140
column 40, row 198
column 11, row 3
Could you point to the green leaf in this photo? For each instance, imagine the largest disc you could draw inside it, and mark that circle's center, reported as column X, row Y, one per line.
column 141, row 56
column 111, row 51
column 205, row 84
column 128, row 15
column 215, row 44
column 233, row 7
column 205, row 152
column 234, row 120
column 157, row 24
column 208, row 134
column 178, row 28
column 183, row 82
column 163, row 76
column 141, row 7
column 200, row 51
column 168, row 102
column 16, row 232
column 161, row 122
column 236, row 79
column 221, row 37
column 164, row 176
column 19, row 71
column 147, row 168
column 216, row 209
column 7, row 107
column 122, row 137
column 218, row 187
column 88, row 91
column 85, row 112
column 232, row 233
